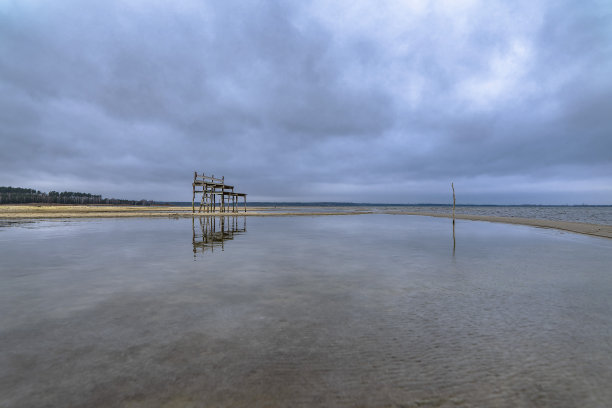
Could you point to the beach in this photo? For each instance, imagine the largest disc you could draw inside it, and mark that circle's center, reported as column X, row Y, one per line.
column 401, row 204
column 38, row 211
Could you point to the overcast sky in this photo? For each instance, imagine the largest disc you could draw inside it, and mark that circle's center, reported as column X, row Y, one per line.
column 364, row 101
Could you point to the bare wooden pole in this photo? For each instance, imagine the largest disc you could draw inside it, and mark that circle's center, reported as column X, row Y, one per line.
column 195, row 176
column 453, row 187
column 454, row 243
column 202, row 200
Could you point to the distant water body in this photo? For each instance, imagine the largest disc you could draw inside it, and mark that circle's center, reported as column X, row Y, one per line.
column 374, row 310
column 587, row 214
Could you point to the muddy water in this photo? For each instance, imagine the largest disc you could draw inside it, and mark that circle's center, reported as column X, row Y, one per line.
column 369, row 310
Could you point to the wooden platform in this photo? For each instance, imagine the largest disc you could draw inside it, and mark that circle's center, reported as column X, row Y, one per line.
column 215, row 194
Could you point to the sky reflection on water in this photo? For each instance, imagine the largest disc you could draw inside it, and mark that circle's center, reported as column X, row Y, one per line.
column 302, row 311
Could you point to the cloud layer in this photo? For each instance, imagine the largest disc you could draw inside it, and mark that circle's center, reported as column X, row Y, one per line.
column 318, row 101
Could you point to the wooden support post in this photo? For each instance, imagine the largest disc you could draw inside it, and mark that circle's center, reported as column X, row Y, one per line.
column 245, row 203
column 454, row 243
column 195, row 175
column 453, row 187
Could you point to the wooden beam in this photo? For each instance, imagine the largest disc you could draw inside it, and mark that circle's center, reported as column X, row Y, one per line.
column 193, row 193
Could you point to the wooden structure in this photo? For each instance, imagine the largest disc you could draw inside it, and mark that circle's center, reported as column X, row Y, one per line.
column 215, row 193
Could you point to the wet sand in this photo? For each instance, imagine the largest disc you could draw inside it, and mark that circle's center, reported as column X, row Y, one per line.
column 36, row 211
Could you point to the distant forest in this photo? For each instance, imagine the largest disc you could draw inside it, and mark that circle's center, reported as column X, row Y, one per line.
column 18, row 195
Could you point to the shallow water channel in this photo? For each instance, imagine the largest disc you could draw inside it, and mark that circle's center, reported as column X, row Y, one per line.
column 362, row 310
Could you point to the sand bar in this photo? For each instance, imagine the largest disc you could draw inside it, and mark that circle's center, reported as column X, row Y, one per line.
column 597, row 230
column 37, row 211
column 86, row 211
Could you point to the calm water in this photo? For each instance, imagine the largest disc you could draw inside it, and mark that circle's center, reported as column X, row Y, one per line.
column 591, row 215
column 370, row 310
column 587, row 214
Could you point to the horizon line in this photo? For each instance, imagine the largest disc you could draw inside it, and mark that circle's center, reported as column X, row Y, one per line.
column 403, row 204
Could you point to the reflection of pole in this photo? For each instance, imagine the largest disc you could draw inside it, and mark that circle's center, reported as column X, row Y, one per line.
column 193, row 239
column 222, row 222
column 453, row 237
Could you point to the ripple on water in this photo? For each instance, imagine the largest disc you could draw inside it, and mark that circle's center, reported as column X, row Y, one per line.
column 336, row 311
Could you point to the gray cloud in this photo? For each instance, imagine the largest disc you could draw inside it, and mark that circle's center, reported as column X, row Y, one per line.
column 355, row 101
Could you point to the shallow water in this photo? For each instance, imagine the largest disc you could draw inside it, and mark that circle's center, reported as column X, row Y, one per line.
column 368, row 310
column 586, row 214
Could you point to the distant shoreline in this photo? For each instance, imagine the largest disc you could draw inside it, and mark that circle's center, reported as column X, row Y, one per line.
column 44, row 211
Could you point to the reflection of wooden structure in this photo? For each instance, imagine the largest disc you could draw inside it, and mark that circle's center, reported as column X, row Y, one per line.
column 215, row 192
column 214, row 231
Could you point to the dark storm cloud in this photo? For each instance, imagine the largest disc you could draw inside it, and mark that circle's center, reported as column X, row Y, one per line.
column 358, row 101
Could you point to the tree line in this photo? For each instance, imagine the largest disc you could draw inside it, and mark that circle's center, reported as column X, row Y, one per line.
column 18, row 195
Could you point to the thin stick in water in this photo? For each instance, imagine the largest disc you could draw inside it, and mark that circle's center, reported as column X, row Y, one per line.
column 453, row 187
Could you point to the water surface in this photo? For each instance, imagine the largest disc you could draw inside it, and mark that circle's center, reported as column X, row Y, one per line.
column 368, row 310
column 586, row 214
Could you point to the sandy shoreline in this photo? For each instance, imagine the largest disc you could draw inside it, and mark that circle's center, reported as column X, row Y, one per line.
column 36, row 211
column 604, row 231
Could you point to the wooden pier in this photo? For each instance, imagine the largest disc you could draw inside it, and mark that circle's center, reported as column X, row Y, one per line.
column 215, row 194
